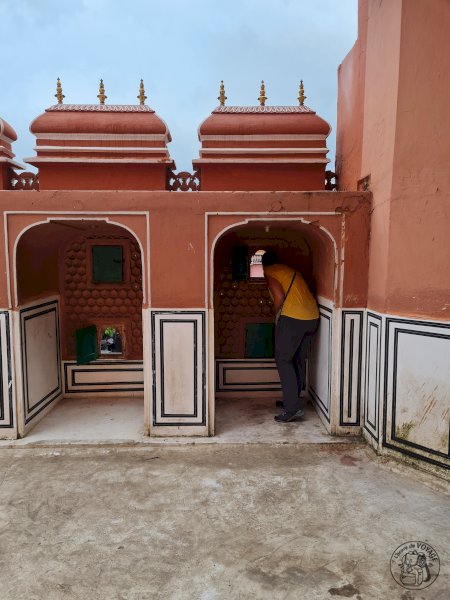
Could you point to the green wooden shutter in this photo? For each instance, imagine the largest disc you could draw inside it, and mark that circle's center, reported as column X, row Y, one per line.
column 259, row 340
column 107, row 264
column 87, row 345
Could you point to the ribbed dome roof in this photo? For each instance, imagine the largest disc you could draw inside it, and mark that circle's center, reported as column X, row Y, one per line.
column 263, row 120
column 7, row 131
column 100, row 118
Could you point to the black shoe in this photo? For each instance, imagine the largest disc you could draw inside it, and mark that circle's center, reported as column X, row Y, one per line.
column 279, row 403
column 288, row 416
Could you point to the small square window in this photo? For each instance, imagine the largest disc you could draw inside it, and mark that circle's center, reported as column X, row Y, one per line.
column 107, row 264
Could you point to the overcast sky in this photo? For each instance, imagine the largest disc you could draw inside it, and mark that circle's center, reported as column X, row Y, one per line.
column 181, row 48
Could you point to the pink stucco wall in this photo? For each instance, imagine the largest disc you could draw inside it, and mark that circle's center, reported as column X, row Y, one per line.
column 393, row 126
column 419, row 247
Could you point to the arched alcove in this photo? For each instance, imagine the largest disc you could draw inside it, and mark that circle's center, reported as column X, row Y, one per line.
column 77, row 280
column 243, row 310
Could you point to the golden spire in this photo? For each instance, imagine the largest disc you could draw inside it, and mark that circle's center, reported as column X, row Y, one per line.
column 222, row 96
column 301, row 94
column 59, row 93
column 262, row 94
column 142, row 97
column 101, row 95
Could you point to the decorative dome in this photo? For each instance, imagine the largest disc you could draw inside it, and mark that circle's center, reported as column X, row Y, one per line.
column 112, row 133
column 263, row 120
column 7, row 137
column 101, row 146
column 263, row 148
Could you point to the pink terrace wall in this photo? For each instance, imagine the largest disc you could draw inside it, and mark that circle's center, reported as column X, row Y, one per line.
column 418, row 270
column 178, row 230
column 350, row 117
column 402, row 143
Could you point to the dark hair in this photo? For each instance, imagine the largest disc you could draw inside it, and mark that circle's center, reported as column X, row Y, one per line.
column 269, row 258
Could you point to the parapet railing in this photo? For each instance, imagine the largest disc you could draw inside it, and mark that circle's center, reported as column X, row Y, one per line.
column 183, row 181
column 24, row 181
column 176, row 182
column 331, row 181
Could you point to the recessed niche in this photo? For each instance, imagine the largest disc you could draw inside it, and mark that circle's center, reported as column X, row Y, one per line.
column 111, row 341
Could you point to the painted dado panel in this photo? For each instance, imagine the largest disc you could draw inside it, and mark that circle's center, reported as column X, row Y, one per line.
column 417, row 389
column 6, row 383
column 319, row 375
column 179, row 367
column 372, row 375
column 247, row 376
column 40, row 348
column 351, row 358
column 107, row 378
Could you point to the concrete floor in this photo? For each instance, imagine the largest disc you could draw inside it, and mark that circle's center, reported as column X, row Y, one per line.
column 213, row 522
column 108, row 420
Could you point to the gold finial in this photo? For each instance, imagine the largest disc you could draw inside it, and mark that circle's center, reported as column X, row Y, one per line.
column 101, row 95
column 262, row 94
column 301, row 94
column 142, row 97
column 222, row 96
column 59, row 93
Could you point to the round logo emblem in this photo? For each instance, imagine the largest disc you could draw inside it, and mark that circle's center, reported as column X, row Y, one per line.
column 415, row 565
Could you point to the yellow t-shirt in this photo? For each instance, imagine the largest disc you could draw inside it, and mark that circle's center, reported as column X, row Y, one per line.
column 299, row 303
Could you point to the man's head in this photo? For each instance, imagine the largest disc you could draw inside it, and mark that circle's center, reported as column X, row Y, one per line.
column 269, row 258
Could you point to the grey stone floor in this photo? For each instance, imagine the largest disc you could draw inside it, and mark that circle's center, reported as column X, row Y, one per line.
column 108, row 420
column 209, row 522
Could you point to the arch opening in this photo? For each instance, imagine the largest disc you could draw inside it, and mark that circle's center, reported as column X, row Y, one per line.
column 79, row 290
column 243, row 309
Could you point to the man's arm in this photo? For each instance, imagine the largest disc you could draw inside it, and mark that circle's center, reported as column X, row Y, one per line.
column 276, row 291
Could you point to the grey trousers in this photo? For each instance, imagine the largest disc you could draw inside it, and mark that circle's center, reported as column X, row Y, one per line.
column 292, row 337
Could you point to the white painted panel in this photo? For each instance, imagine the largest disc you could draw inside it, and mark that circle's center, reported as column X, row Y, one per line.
column 108, row 376
column 42, row 358
column 422, row 398
column 247, row 375
column 179, row 368
column 417, row 398
column 6, row 383
column 39, row 348
column 179, row 373
column 104, row 377
column 252, row 375
column 320, row 363
column 372, row 376
column 350, row 385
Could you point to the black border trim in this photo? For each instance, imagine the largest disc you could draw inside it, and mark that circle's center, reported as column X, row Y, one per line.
column 10, row 405
column 316, row 398
column 221, row 381
column 357, row 422
column 101, row 368
column 31, row 413
column 180, row 313
column 378, row 327
column 385, row 442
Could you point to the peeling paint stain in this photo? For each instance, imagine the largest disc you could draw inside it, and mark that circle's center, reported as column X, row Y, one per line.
column 347, row 591
column 404, row 430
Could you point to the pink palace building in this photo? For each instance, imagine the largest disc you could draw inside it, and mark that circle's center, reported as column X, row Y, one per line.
column 120, row 276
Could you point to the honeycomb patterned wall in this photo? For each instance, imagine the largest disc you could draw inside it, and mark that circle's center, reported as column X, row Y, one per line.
column 85, row 303
column 236, row 304
column 239, row 303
